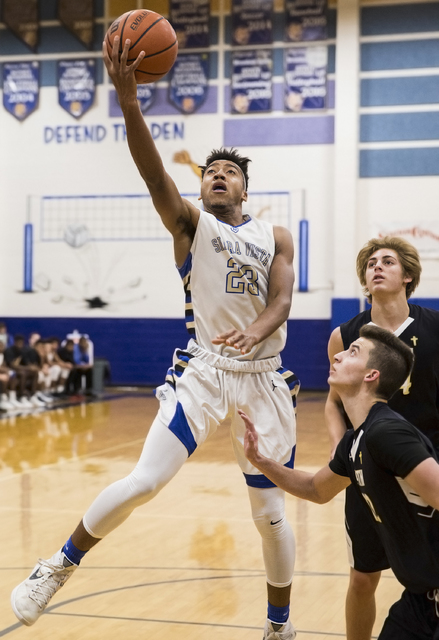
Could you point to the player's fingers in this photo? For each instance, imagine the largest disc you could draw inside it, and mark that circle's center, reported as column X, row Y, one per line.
column 105, row 54
column 226, row 334
column 115, row 50
column 138, row 60
column 125, row 51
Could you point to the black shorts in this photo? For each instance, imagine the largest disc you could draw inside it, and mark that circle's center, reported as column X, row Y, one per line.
column 366, row 552
column 413, row 617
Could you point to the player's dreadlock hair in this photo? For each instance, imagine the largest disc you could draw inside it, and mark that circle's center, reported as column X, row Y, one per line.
column 227, row 154
column 391, row 356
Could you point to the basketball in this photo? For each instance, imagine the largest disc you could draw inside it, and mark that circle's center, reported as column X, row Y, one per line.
column 149, row 32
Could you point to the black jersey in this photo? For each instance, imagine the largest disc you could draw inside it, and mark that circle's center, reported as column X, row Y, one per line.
column 377, row 457
column 418, row 399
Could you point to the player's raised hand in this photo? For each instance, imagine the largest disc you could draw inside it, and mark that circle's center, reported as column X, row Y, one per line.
column 121, row 73
column 250, row 440
column 240, row 340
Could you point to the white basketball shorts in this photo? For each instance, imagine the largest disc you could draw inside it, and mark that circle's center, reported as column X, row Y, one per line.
column 203, row 389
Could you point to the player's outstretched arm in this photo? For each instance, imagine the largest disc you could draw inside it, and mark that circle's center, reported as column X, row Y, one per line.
column 319, row 487
column 178, row 215
column 424, row 480
column 335, row 422
column 280, row 293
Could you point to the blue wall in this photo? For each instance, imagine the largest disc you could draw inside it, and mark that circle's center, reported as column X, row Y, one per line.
column 140, row 350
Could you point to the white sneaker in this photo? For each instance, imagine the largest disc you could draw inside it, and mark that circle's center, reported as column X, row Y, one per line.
column 45, row 397
column 36, row 402
column 31, row 597
column 275, row 631
column 5, row 405
column 24, row 403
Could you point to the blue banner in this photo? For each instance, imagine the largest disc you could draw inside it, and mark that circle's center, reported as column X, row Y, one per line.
column 190, row 19
column 251, row 81
column 76, row 85
column 146, row 94
column 252, row 22
column 21, row 88
column 188, row 86
column 305, row 78
column 306, row 20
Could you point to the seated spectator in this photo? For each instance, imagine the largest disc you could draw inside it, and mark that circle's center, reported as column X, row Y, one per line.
column 8, row 383
column 24, row 361
column 5, row 338
column 37, row 356
column 66, row 355
column 84, row 366
column 60, row 369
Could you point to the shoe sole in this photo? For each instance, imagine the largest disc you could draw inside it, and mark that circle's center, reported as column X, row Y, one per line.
column 15, row 610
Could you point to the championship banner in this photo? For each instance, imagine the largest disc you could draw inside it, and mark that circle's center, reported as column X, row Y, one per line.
column 21, row 88
column 190, row 19
column 78, row 16
column 188, row 85
column 76, row 85
column 252, row 22
column 306, row 20
column 146, row 94
column 305, row 78
column 251, row 81
column 21, row 17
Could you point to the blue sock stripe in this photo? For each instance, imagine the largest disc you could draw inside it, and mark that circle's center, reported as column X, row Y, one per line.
column 278, row 614
column 72, row 553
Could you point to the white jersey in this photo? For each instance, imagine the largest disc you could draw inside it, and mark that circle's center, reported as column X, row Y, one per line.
column 226, row 279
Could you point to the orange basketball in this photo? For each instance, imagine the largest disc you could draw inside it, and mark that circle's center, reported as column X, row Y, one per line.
column 149, row 32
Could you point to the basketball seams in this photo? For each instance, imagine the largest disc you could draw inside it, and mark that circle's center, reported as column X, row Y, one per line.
column 146, row 31
column 155, row 63
column 107, row 37
column 121, row 33
column 151, row 55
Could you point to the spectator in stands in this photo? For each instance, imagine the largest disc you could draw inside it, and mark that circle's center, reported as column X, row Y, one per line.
column 33, row 338
column 84, row 366
column 22, row 360
column 66, row 355
column 5, row 338
column 8, row 383
column 60, row 369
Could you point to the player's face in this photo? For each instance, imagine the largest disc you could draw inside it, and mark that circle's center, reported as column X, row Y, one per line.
column 350, row 367
column 223, row 182
column 384, row 273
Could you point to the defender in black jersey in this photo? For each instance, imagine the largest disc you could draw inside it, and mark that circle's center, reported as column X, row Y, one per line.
column 389, row 270
column 392, row 467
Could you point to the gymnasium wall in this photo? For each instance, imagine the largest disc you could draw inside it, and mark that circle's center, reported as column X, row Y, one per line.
column 123, row 289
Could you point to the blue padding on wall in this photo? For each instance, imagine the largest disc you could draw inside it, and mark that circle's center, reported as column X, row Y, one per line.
column 399, row 18
column 410, row 54
column 395, row 91
column 250, row 132
column 343, row 309
column 381, row 163
column 140, row 350
column 399, row 126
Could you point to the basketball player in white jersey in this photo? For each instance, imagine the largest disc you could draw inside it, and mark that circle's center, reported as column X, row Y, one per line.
column 238, row 278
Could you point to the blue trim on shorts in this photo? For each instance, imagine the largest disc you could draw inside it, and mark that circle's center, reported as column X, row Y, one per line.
column 180, row 427
column 260, row 481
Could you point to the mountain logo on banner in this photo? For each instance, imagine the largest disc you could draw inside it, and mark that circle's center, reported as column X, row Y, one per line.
column 76, row 85
column 21, row 88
